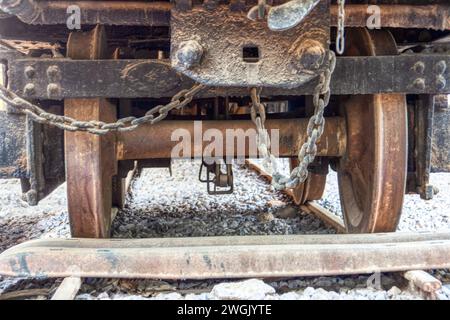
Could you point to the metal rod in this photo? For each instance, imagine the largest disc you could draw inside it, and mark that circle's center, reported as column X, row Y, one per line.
column 158, row 141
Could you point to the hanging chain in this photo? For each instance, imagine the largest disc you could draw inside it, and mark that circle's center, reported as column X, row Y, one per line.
column 153, row 116
column 316, row 125
column 340, row 39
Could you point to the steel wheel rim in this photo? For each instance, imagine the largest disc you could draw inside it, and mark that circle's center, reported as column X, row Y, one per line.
column 372, row 174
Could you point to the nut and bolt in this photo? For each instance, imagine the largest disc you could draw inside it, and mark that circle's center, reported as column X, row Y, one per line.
column 189, row 53
column 311, row 55
column 29, row 89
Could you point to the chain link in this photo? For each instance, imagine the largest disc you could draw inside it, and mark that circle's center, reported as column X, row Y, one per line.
column 340, row 39
column 152, row 116
column 316, row 125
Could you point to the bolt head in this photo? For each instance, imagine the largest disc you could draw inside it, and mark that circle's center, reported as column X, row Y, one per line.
column 53, row 89
column 29, row 89
column 189, row 53
column 53, row 72
column 311, row 55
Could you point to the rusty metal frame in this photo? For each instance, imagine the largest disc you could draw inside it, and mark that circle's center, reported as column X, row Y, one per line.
column 408, row 73
column 227, row 257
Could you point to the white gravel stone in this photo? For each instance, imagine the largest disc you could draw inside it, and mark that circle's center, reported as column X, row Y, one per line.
column 252, row 289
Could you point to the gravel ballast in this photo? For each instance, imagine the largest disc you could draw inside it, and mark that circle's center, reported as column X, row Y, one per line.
column 161, row 205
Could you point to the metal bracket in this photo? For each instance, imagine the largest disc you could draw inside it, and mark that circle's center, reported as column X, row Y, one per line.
column 208, row 48
column 219, row 179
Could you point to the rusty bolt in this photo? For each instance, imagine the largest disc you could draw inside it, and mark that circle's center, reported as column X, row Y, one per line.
column 29, row 72
column 441, row 67
column 53, row 72
column 29, row 89
column 52, row 89
column 441, row 83
column 419, row 83
column 311, row 54
column 419, row 67
column 190, row 53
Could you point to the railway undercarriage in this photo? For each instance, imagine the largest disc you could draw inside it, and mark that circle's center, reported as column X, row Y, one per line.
column 85, row 106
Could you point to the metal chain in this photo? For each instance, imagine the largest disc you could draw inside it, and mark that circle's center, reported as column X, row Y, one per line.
column 316, row 125
column 152, row 116
column 340, row 39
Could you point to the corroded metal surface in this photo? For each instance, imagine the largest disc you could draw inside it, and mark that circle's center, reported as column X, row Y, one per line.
column 156, row 78
column 92, row 12
column 90, row 160
column 13, row 155
column 227, row 257
column 372, row 173
column 274, row 58
column 440, row 159
column 431, row 16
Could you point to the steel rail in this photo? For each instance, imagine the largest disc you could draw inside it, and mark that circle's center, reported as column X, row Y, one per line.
column 227, row 257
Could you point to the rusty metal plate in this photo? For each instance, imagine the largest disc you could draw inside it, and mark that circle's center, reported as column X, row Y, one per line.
column 440, row 159
column 13, row 151
column 221, row 47
column 227, row 257
column 156, row 78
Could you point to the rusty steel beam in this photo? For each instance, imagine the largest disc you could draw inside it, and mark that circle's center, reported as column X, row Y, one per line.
column 133, row 13
column 227, row 257
column 156, row 78
column 433, row 16
column 155, row 141
column 123, row 13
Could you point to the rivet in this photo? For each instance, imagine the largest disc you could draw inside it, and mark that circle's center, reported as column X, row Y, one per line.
column 29, row 72
column 441, row 67
column 29, row 89
column 419, row 83
column 53, row 73
column 53, row 89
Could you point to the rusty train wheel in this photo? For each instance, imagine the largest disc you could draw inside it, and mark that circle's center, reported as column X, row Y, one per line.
column 372, row 173
column 90, row 160
column 312, row 189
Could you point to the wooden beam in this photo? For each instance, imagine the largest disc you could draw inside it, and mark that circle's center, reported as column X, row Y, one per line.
column 68, row 289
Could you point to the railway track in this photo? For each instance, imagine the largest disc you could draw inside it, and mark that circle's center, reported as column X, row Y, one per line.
column 64, row 254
